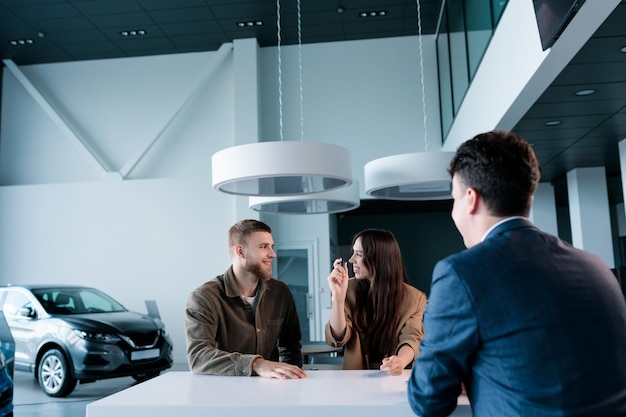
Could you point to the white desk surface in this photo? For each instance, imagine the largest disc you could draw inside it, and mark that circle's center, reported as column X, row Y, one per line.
column 352, row 393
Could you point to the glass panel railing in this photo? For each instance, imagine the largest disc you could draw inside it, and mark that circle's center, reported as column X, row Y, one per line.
column 445, row 78
column 465, row 30
column 458, row 51
column 479, row 31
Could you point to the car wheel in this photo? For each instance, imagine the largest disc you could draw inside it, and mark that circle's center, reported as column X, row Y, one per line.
column 145, row 376
column 55, row 377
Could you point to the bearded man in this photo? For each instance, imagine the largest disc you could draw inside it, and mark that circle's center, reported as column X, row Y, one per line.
column 245, row 322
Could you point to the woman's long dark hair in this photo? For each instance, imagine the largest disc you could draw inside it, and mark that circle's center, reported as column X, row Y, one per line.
column 379, row 299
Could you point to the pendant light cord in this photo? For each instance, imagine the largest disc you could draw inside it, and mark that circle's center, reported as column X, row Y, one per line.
column 280, row 72
column 421, row 56
column 300, row 72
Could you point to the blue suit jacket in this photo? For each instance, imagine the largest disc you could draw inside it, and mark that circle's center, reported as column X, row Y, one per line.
column 530, row 325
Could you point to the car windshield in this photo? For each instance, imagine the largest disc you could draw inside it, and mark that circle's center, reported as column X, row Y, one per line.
column 76, row 301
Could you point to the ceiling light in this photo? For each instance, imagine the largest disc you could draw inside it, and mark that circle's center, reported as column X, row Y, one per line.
column 585, row 92
column 133, row 32
column 335, row 201
column 412, row 176
column 282, row 168
column 250, row 23
column 21, row 42
column 373, row 13
column 623, row 49
column 552, row 123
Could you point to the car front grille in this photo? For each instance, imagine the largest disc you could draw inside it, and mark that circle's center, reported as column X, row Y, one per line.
column 142, row 340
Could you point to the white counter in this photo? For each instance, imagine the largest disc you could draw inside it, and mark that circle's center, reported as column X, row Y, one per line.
column 324, row 392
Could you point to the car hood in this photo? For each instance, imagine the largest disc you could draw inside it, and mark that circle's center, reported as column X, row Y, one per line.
column 118, row 322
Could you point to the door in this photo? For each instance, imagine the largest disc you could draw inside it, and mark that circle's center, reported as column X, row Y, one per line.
column 295, row 267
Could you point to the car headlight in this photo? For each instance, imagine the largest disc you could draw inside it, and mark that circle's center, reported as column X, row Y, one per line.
column 3, row 361
column 97, row 337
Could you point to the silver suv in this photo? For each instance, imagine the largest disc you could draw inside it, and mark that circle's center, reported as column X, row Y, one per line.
column 65, row 334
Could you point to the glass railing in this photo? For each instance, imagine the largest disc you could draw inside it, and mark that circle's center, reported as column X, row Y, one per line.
column 465, row 30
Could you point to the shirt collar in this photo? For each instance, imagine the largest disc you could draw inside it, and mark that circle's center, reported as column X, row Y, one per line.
column 498, row 224
column 231, row 284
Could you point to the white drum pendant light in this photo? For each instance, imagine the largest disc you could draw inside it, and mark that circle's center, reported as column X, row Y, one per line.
column 282, row 168
column 411, row 176
column 335, row 201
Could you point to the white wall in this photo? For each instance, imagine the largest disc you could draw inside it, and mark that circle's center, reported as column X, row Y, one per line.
column 363, row 95
column 156, row 237
column 162, row 231
column 153, row 239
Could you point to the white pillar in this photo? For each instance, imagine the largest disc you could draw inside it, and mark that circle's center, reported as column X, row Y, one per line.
column 589, row 212
column 543, row 210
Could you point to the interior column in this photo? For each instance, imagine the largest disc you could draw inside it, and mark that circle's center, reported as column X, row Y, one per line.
column 589, row 212
column 543, row 210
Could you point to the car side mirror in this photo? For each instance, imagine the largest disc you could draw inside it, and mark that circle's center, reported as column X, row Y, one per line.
column 28, row 312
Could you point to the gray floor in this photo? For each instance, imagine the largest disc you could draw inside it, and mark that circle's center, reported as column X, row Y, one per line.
column 30, row 401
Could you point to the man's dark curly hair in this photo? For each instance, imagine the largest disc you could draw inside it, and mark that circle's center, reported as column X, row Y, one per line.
column 502, row 168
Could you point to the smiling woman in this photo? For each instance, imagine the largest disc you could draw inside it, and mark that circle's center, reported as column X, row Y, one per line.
column 70, row 334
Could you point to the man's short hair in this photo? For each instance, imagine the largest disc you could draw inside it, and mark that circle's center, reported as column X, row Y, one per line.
column 502, row 168
column 240, row 231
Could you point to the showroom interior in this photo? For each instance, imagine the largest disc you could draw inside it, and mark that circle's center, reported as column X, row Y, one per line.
column 106, row 139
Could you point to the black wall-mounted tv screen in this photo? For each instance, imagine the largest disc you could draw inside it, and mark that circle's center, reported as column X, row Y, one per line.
column 552, row 18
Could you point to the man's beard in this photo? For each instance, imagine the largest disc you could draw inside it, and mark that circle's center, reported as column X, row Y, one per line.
column 260, row 272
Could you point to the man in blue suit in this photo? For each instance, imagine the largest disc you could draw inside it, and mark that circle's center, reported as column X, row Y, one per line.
column 528, row 324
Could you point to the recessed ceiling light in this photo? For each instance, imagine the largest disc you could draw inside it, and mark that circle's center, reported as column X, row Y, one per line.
column 552, row 123
column 585, row 92
column 250, row 23
column 373, row 13
column 133, row 32
column 623, row 49
column 21, row 42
